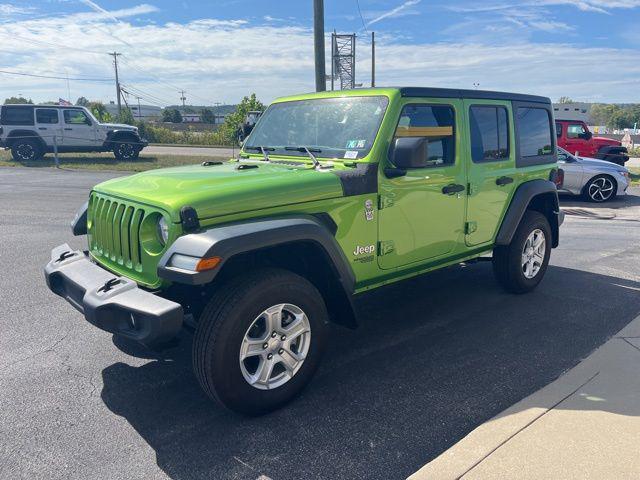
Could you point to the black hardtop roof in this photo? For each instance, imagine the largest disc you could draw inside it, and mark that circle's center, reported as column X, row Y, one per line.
column 431, row 92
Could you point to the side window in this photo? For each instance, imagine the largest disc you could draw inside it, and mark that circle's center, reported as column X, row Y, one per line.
column 534, row 132
column 489, row 133
column 76, row 117
column 46, row 115
column 17, row 115
column 558, row 129
column 575, row 130
column 436, row 123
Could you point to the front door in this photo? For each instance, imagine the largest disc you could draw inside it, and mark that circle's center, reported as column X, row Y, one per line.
column 422, row 213
column 79, row 130
column 491, row 167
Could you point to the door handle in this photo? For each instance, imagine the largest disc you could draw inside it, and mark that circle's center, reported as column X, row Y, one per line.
column 42, row 128
column 452, row 189
column 502, row 181
column 68, row 128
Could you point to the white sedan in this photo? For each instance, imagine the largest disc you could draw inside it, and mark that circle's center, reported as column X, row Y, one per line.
column 595, row 180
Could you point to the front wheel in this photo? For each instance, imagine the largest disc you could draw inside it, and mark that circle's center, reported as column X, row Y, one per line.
column 600, row 189
column 260, row 340
column 520, row 266
column 126, row 151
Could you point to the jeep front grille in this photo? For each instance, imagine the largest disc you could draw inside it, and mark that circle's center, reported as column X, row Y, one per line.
column 115, row 231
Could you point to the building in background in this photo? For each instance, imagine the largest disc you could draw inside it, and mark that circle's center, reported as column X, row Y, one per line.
column 191, row 118
column 572, row 111
column 146, row 113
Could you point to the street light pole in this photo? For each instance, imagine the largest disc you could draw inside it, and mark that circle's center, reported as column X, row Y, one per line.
column 318, row 45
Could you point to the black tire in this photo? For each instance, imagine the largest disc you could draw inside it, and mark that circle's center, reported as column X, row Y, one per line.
column 507, row 259
column 126, row 150
column 600, row 189
column 222, row 328
column 26, row 150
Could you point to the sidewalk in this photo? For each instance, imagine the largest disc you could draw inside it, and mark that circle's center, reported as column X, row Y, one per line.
column 585, row 425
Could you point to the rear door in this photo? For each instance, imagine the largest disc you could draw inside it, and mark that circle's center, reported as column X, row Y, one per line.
column 422, row 212
column 491, row 167
column 49, row 125
column 79, row 130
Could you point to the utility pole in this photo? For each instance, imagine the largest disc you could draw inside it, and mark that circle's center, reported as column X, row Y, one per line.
column 115, row 65
column 182, row 97
column 373, row 59
column 139, row 112
column 318, row 44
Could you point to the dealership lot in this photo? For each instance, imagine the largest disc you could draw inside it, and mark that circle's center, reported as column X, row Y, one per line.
column 434, row 358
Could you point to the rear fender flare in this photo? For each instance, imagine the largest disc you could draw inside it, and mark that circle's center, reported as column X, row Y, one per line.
column 539, row 193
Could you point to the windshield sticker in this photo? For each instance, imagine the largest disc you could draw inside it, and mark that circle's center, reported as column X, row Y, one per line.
column 351, row 154
column 361, row 143
column 352, row 144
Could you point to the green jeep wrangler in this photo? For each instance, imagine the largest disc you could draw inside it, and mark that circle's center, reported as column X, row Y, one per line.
column 332, row 195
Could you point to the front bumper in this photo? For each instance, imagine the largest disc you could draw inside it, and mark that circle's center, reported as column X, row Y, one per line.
column 112, row 303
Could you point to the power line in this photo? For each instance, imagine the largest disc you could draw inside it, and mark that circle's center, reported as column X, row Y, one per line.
column 50, row 45
column 361, row 17
column 75, row 79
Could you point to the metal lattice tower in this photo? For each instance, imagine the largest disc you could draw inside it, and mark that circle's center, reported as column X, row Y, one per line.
column 343, row 60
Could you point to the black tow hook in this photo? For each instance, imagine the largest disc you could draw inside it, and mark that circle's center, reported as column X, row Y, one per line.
column 64, row 255
column 109, row 284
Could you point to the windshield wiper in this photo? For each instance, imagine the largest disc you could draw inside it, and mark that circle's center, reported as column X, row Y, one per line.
column 308, row 151
column 262, row 150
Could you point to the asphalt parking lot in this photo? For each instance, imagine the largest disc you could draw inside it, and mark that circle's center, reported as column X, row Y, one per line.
column 434, row 358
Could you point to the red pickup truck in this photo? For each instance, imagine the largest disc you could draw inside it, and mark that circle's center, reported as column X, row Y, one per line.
column 575, row 137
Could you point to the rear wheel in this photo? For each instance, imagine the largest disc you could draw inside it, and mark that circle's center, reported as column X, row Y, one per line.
column 26, row 150
column 520, row 266
column 126, row 150
column 259, row 340
column 600, row 189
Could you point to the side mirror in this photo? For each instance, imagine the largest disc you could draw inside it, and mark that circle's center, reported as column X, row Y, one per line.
column 588, row 135
column 409, row 152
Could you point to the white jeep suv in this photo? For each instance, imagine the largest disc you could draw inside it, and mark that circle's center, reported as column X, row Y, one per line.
column 30, row 131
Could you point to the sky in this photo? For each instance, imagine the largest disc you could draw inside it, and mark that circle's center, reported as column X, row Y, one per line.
column 219, row 51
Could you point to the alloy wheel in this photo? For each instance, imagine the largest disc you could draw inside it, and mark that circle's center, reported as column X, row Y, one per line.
column 26, row 151
column 601, row 189
column 126, row 150
column 533, row 253
column 275, row 346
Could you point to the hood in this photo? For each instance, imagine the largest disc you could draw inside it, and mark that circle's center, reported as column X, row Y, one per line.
column 118, row 126
column 217, row 190
column 606, row 141
column 594, row 162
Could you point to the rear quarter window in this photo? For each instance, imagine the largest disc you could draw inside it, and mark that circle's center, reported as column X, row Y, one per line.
column 16, row 115
column 534, row 135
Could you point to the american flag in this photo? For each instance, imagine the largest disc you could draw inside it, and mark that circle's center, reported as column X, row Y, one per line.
column 66, row 103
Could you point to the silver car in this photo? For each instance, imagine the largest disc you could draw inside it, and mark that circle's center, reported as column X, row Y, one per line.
column 596, row 180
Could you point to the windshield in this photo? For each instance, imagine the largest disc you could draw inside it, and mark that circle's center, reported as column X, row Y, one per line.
column 334, row 127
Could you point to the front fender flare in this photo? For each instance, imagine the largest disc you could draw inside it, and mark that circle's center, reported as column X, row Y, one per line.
column 233, row 239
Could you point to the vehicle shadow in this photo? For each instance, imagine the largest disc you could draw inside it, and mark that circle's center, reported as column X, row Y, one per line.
column 434, row 357
column 623, row 202
column 107, row 160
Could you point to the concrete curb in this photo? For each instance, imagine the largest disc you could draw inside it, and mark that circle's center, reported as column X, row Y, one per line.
column 548, row 434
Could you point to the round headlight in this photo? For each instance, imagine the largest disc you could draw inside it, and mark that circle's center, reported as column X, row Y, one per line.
column 163, row 230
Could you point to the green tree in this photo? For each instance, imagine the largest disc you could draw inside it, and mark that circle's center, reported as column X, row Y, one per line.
column 601, row 113
column 17, row 101
column 176, row 116
column 100, row 111
column 126, row 117
column 234, row 121
column 207, row 116
column 82, row 102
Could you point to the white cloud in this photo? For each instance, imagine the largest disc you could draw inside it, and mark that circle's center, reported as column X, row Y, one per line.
column 223, row 60
column 395, row 12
